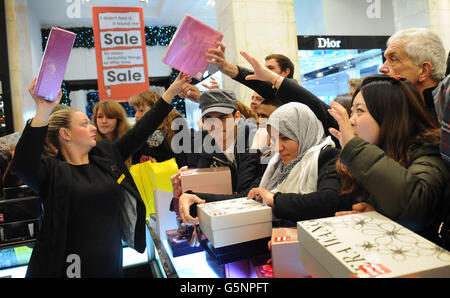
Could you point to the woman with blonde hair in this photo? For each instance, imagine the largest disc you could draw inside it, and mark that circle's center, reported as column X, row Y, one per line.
column 90, row 201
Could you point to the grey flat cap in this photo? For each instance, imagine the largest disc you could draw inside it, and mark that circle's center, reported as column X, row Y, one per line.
column 218, row 100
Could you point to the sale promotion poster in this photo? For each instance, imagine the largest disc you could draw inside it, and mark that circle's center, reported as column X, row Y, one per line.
column 120, row 52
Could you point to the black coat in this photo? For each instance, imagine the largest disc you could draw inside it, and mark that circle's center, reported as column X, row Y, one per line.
column 51, row 179
column 164, row 151
column 246, row 171
column 291, row 91
column 324, row 202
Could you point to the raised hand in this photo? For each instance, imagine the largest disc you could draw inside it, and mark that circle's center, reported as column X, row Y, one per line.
column 345, row 132
column 190, row 91
column 217, row 56
column 261, row 72
column 175, row 87
column 214, row 84
column 43, row 107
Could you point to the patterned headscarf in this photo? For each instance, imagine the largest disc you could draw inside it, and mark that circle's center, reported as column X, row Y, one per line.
column 297, row 122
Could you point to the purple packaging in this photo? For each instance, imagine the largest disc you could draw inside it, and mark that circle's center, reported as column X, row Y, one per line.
column 54, row 63
column 186, row 51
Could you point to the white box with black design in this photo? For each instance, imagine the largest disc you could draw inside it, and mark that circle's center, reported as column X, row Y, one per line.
column 368, row 245
column 234, row 221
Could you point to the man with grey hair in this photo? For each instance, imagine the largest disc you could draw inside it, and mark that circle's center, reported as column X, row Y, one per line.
column 417, row 54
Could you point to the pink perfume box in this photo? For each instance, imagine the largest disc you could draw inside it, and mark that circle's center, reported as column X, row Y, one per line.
column 54, row 63
column 207, row 180
column 186, row 51
column 286, row 254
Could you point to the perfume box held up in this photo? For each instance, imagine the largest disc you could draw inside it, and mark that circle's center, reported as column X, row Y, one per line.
column 54, row 63
column 368, row 245
column 186, row 51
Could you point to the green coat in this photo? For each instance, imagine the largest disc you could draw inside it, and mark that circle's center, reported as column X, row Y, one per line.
column 410, row 196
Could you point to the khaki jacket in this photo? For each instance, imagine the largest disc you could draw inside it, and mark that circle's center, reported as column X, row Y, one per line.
column 410, row 196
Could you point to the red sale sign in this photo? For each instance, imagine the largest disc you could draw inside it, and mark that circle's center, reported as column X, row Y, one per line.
column 120, row 51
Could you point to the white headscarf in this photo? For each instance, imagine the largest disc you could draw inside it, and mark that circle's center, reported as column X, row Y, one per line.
column 297, row 122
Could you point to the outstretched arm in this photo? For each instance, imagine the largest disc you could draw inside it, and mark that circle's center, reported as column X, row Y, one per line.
column 136, row 137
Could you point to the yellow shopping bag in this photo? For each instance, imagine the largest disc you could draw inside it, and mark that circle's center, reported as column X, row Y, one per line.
column 149, row 176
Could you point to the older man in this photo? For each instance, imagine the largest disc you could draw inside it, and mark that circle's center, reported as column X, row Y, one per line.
column 417, row 54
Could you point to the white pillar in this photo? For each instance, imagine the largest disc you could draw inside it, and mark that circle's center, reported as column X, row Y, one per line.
column 260, row 27
column 432, row 14
column 20, row 61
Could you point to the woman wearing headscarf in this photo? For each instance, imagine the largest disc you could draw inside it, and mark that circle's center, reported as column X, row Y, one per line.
column 300, row 181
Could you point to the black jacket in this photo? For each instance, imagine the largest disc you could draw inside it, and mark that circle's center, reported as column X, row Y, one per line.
column 291, row 207
column 51, row 179
column 291, row 91
column 246, row 171
column 163, row 151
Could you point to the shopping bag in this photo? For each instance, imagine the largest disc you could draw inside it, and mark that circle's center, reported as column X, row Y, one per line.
column 150, row 176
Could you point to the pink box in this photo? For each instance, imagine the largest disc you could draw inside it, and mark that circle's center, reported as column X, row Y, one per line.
column 186, row 51
column 208, row 180
column 285, row 250
column 54, row 63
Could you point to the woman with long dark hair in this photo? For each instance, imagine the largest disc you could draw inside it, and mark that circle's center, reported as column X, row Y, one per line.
column 390, row 157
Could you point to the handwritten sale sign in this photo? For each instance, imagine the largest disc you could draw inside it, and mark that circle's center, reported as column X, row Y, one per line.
column 120, row 52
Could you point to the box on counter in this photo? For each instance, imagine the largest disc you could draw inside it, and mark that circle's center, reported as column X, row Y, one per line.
column 21, row 209
column 285, row 250
column 368, row 245
column 234, row 221
column 22, row 191
column 232, row 253
column 207, row 180
column 179, row 239
column 54, row 63
column 165, row 219
column 19, row 231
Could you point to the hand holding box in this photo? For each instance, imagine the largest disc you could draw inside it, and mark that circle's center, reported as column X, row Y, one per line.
column 186, row 51
column 54, row 63
column 234, row 221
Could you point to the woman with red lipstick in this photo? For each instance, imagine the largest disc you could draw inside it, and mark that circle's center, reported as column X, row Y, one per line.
column 90, row 201
column 390, row 158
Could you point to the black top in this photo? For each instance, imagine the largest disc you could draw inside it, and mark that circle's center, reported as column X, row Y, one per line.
column 94, row 225
column 51, row 178
column 325, row 202
column 291, row 91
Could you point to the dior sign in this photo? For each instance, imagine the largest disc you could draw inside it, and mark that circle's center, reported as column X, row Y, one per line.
column 328, row 43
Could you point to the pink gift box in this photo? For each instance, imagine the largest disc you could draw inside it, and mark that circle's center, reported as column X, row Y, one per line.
column 186, row 51
column 285, row 250
column 208, row 180
column 54, row 63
